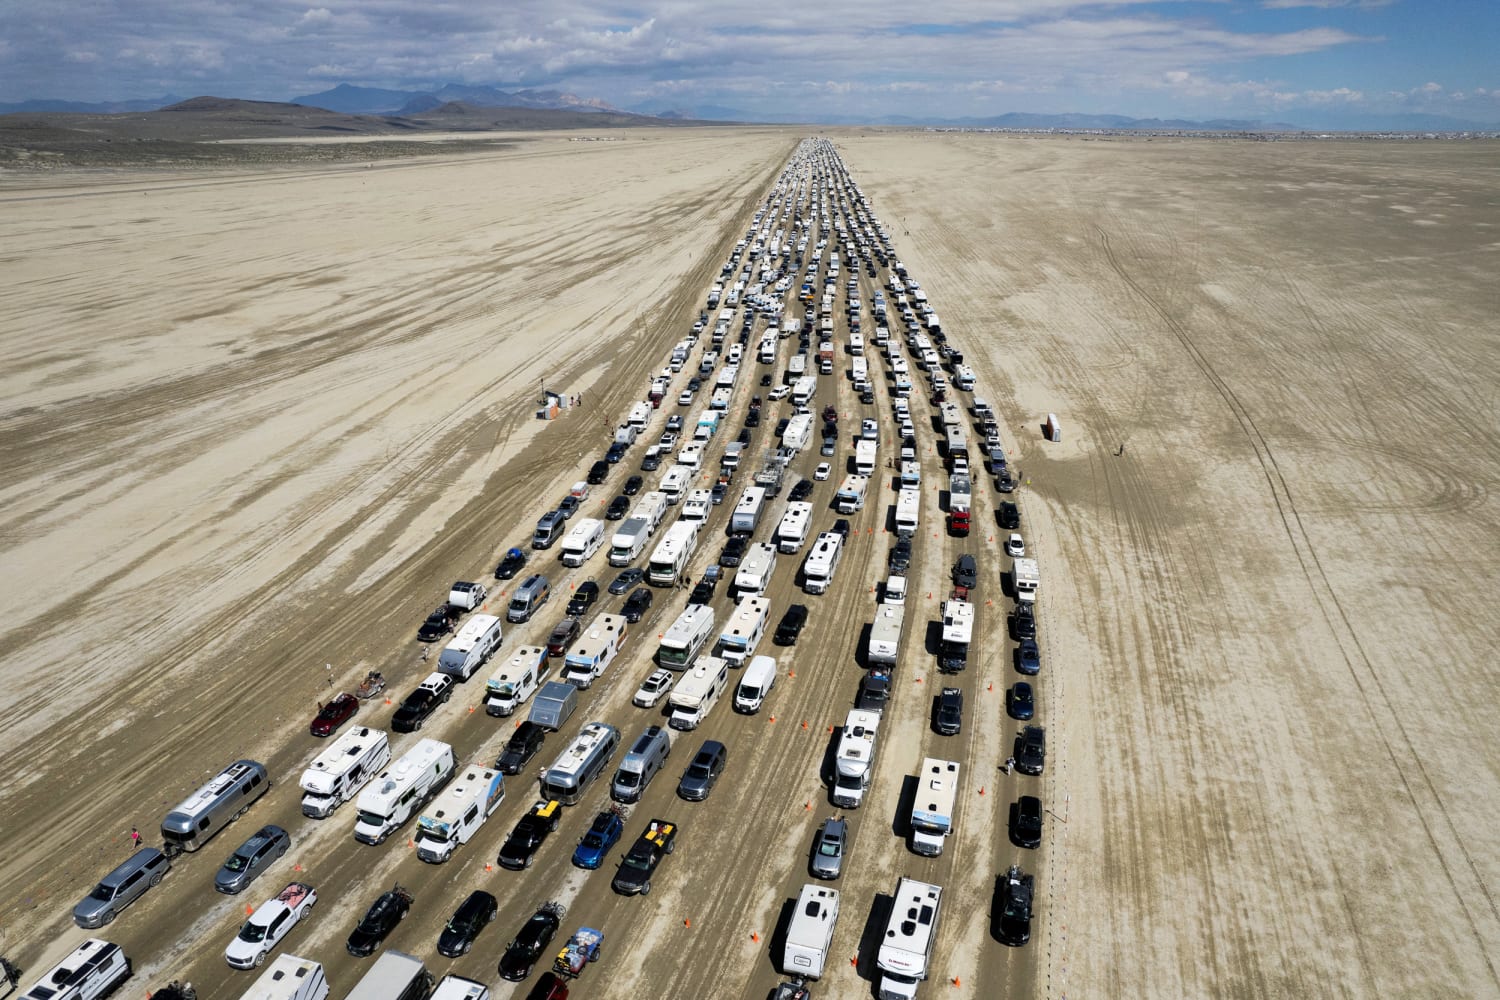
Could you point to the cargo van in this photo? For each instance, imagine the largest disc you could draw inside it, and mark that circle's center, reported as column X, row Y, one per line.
column 529, row 596
column 516, row 680
column 646, row 757
column 394, row 976
column 121, row 887
column 549, row 528
column 756, row 682
column 214, row 806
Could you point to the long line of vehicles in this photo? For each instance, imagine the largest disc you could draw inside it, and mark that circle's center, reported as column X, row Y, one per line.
column 450, row 801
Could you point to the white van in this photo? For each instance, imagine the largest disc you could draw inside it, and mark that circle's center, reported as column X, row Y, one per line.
column 755, row 684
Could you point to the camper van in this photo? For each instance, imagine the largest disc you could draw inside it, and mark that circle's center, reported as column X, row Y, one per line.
column 851, row 493
column 933, row 806
column 528, row 598
column 695, row 695
column 675, row 483
column 214, row 806
column 906, row 946
column 885, row 633
column 854, row 763
column 400, row 790
column 458, row 988
column 670, row 558
column 792, row 531
column 755, row 684
column 549, row 528
column 587, row 659
column 394, row 976
column 341, row 770
column 685, row 638
column 516, row 680
column 582, row 541
column 456, row 814
column 467, row 651
column 809, row 935
column 290, row 977
column 94, row 969
column 743, row 631
column 754, row 573
column 645, row 758
column 580, row 763
column 821, row 562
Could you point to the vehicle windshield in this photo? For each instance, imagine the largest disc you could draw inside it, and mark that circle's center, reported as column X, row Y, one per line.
column 829, row 849
column 697, row 770
column 236, row 863
column 628, row 779
column 102, row 892
column 252, row 932
column 636, row 861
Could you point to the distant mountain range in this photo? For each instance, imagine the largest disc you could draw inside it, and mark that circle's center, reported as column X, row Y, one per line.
column 472, row 100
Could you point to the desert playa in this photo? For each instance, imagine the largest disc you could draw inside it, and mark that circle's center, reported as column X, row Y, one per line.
column 254, row 420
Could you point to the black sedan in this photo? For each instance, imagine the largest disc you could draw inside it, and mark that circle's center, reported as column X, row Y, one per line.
column 628, row 578
column 379, row 920
column 618, row 508
column 791, row 625
column 513, row 563
column 1031, row 750
column 472, row 916
column 1023, row 623
column 966, row 571
column 1019, row 701
column 802, row 490
column 1010, row 515
column 633, row 486
column 530, row 943
column 1026, row 822
column 900, row 560
column 637, row 604
column 1028, row 658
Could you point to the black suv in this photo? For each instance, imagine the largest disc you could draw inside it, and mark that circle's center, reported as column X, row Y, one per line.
column 521, row 747
column 900, row 560
column 520, row 848
column 637, row 604
column 949, row 719
column 1010, row 515
column 1031, row 750
column 791, row 625
column 1026, row 822
column 583, row 599
column 1023, row 622
column 437, row 625
column 1014, row 909
column 380, row 919
column 530, row 942
column 965, row 571
column 635, row 871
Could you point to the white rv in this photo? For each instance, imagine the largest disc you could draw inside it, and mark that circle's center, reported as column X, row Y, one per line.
column 885, row 634
column 792, row 531
column 290, row 977
column 909, row 936
column 743, row 631
column 630, row 541
column 1027, row 578
column 402, row 789
column 822, row 561
column 851, row 493
column 798, row 432
column 516, row 680
column 864, row 456
column 94, row 969
column 685, row 638
column 343, row 769
column 467, row 651
column 582, row 541
column 802, row 389
column 908, row 511
column 809, row 935
column 932, row 807
column 670, row 558
column 854, row 764
column 454, row 816
column 958, row 632
column 580, row 763
column 746, row 515
column 675, row 483
column 694, row 696
column 960, row 491
column 754, row 573
column 640, row 416
column 594, row 651
column 698, row 505
column 690, row 456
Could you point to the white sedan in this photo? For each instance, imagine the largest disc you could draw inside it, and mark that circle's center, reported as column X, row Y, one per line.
column 1015, row 547
column 823, row 471
column 653, row 689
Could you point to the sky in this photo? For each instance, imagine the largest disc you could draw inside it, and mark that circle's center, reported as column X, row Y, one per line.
column 1303, row 61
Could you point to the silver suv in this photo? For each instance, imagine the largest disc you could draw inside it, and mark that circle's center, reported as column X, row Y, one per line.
column 252, row 858
column 828, row 849
column 121, row 887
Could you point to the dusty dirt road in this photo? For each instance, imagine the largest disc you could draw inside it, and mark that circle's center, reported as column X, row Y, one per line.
column 263, row 431
column 1268, row 627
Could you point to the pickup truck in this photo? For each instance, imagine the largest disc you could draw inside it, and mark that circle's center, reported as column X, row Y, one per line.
column 422, row 702
column 270, row 922
column 634, row 874
column 520, row 848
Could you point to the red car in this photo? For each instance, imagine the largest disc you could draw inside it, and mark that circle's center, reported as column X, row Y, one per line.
column 549, row 987
column 334, row 714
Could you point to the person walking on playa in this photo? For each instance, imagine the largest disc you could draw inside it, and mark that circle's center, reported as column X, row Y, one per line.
column 1010, row 762
column 135, row 838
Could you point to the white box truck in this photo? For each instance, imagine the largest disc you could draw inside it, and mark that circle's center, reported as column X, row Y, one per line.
column 792, row 531
column 933, row 806
column 455, row 815
column 809, row 935
column 402, row 789
column 697, row 693
column 336, row 774
column 854, row 762
column 516, row 680
column 906, row 946
column 908, row 511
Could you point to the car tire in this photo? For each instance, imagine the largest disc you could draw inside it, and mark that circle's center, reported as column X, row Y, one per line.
column 646, row 889
column 671, row 846
column 260, row 959
column 416, row 725
column 108, row 918
column 156, row 879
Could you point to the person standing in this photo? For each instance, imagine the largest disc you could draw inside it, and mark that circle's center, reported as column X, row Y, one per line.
column 135, row 838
